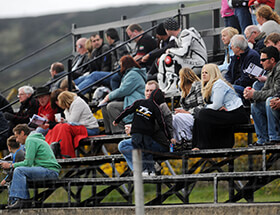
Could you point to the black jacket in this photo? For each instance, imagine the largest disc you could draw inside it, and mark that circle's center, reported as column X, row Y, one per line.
column 146, row 113
column 103, row 63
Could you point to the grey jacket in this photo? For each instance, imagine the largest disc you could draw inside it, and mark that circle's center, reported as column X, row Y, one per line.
column 271, row 86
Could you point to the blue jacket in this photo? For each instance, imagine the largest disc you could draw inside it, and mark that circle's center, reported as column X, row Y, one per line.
column 131, row 89
column 222, row 95
column 235, row 74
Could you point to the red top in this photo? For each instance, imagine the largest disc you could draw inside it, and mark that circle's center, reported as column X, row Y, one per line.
column 270, row 3
column 47, row 111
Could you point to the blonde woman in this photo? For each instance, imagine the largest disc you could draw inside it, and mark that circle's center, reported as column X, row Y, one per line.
column 268, row 19
column 213, row 124
column 79, row 123
column 191, row 102
column 226, row 34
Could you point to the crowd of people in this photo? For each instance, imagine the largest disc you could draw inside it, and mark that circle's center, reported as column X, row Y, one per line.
column 213, row 97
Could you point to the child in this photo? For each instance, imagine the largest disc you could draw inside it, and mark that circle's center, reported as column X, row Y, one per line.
column 18, row 155
column 146, row 112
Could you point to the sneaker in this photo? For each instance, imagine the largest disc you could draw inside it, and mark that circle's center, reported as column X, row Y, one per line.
column 145, row 173
column 20, row 203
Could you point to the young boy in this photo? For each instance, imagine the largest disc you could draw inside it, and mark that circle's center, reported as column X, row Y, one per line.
column 18, row 155
column 146, row 112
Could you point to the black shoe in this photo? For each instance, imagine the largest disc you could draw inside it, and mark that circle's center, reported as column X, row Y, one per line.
column 272, row 142
column 20, row 203
column 255, row 144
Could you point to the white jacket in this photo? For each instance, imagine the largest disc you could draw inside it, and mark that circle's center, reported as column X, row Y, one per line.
column 80, row 113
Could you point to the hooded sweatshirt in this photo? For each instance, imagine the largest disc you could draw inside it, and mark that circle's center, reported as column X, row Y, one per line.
column 38, row 154
column 146, row 112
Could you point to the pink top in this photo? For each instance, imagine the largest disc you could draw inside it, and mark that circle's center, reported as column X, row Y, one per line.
column 225, row 9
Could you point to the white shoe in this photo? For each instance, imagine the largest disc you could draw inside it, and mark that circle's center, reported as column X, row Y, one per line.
column 145, row 173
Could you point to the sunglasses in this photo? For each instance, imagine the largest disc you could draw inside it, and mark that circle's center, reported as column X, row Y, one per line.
column 264, row 59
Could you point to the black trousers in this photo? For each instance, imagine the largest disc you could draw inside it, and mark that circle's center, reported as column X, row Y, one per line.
column 214, row 129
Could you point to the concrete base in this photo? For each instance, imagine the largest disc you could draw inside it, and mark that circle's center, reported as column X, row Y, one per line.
column 193, row 209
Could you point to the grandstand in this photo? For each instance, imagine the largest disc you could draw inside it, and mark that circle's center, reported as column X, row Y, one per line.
column 216, row 166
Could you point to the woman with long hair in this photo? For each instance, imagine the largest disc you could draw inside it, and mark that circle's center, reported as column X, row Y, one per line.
column 213, row 124
column 268, row 19
column 132, row 88
column 79, row 123
column 191, row 102
column 226, row 34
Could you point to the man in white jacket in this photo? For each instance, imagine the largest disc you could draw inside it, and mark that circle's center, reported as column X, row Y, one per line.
column 191, row 52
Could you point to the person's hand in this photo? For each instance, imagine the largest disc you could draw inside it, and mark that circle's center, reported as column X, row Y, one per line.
column 45, row 117
column 127, row 129
column 275, row 103
column 173, row 141
column 180, row 110
column 223, row 108
column 262, row 78
column 45, row 126
column 145, row 58
column 248, row 93
column 114, row 123
column 6, row 165
column 3, row 182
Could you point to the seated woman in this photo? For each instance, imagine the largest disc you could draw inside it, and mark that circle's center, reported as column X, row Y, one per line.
column 226, row 34
column 131, row 89
column 213, row 124
column 79, row 123
column 191, row 102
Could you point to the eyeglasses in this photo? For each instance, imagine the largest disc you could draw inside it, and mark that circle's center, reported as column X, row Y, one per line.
column 20, row 94
column 264, row 59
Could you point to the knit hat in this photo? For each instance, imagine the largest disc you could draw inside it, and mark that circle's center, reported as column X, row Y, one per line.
column 160, row 30
column 171, row 24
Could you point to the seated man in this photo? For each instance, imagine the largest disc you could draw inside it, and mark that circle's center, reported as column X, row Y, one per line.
column 255, row 37
column 56, row 70
column 80, row 59
column 39, row 164
column 266, row 127
column 164, row 42
column 45, row 110
column 191, row 52
column 243, row 56
column 113, row 40
column 160, row 143
column 29, row 106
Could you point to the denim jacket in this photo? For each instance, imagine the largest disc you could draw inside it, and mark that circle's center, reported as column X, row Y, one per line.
column 223, row 96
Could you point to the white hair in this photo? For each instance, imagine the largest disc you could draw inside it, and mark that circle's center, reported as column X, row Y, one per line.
column 27, row 89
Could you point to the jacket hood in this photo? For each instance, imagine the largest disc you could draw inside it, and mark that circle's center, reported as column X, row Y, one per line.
column 142, row 72
column 158, row 96
column 36, row 135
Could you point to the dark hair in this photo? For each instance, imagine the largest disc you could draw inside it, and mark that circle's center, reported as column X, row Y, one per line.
column 112, row 32
column 271, row 52
column 273, row 37
column 12, row 142
column 54, row 96
column 58, row 67
column 95, row 34
column 22, row 127
column 135, row 27
column 128, row 62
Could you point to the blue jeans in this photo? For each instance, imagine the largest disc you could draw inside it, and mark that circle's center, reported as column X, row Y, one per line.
column 84, row 81
column 273, row 122
column 257, row 85
column 232, row 21
column 239, row 90
column 258, row 111
column 126, row 147
column 115, row 81
column 19, row 187
column 244, row 17
column 92, row 131
column 266, row 121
